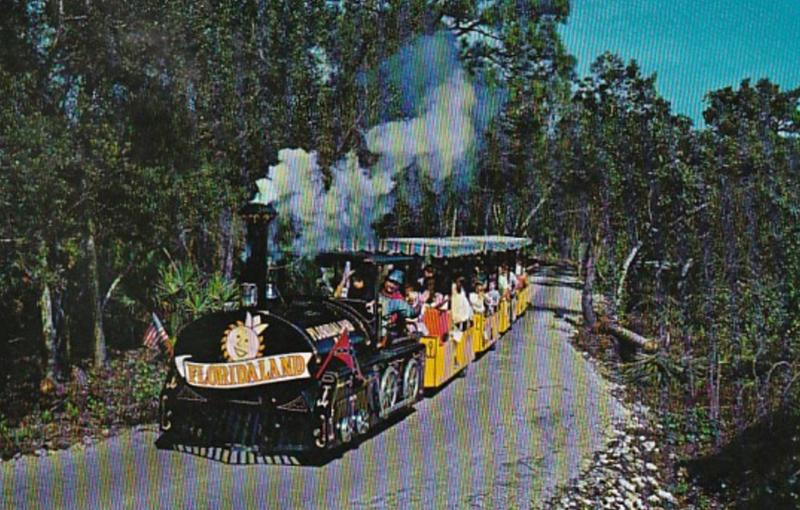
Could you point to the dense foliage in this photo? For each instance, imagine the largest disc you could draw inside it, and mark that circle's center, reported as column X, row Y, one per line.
column 130, row 133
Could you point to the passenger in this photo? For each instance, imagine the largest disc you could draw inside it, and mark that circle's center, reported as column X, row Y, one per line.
column 411, row 295
column 460, row 309
column 514, row 279
column 503, row 281
column 356, row 287
column 359, row 289
column 324, row 281
column 492, row 297
column 477, row 298
column 394, row 309
column 427, row 272
column 414, row 298
column 522, row 279
column 512, row 292
column 478, row 273
column 432, row 297
column 343, row 289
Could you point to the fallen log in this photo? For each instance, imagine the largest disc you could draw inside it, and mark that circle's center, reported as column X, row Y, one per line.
column 621, row 333
column 629, row 336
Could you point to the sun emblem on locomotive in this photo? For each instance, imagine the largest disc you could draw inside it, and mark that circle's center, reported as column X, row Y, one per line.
column 243, row 340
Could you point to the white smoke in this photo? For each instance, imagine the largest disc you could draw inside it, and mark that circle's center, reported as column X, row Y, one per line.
column 437, row 140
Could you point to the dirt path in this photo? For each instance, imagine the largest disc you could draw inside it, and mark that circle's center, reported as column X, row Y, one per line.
column 505, row 436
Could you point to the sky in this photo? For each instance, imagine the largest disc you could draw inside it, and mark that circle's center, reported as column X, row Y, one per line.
column 693, row 46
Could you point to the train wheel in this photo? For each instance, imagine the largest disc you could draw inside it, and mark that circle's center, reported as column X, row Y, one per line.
column 411, row 379
column 389, row 389
column 346, row 429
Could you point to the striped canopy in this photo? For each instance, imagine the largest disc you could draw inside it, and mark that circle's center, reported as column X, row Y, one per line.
column 450, row 246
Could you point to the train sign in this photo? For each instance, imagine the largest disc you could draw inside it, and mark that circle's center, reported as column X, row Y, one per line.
column 254, row 372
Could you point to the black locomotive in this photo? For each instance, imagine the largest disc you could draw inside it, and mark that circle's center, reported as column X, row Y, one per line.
column 286, row 376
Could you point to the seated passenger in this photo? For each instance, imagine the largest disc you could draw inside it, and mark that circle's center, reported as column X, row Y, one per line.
column 478, row 274
column 504, row 281
column 512, row 280
column 352, row 286
column 522, row 280
column 492, row 297
column 460, row 308
column 324, row 281
column 477, row 298
column 411, row 295
column 427, row 272
column 413, row 298
column 394, row 309
column 432, row 297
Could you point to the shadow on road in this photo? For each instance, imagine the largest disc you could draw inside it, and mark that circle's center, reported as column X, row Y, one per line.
column 244, row 455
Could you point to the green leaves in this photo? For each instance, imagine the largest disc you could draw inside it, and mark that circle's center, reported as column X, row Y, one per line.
column 184, row 293
column 657, row 369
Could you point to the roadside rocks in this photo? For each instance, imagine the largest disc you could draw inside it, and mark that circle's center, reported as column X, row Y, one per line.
column 623, row 475
column 627, row 472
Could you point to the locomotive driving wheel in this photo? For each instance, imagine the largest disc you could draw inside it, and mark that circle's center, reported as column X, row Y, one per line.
column 389, row 389
column 411, row 379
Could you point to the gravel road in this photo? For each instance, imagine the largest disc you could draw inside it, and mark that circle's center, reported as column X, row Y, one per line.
column 505, row 436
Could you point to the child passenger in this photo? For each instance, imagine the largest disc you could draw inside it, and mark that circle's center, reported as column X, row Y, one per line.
column 414, row 298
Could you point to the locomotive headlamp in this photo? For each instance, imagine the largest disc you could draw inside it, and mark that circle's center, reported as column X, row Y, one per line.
column 271, row 292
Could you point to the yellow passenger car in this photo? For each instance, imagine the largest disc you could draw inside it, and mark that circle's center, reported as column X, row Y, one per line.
column 448, row 352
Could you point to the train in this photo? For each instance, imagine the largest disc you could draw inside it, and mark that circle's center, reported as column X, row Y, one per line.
column 311, row 375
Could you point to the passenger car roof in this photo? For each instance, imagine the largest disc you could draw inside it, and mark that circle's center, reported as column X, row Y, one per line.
column 394, row 250
column 360, row 257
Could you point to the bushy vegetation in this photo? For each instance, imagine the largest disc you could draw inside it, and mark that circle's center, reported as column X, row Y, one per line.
column 128, row 129
column 94, row 403
column 183, row 293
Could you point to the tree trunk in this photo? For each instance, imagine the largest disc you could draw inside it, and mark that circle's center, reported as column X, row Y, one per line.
column 625, row 267
column 587, row 304
column 227, row 230
column 48, row 382
column 98, row 336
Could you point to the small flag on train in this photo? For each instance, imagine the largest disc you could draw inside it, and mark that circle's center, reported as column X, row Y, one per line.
column 343, row 351
column 156, row 335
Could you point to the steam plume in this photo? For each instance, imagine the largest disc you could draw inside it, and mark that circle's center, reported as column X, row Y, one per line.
column 447, row 113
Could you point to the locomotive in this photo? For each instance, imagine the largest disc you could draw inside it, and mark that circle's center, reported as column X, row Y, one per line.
column 302, row 375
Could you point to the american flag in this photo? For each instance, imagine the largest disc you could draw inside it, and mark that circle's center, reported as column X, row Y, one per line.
column 155, row 334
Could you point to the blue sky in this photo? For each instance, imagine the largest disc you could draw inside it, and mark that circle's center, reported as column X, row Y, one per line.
column 693, row 45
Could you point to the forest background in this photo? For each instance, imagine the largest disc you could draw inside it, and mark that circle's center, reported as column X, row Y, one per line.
column 131, row 133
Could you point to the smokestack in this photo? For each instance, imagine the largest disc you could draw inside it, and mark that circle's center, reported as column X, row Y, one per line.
column 257, row 216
